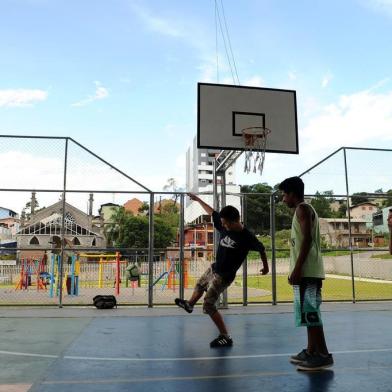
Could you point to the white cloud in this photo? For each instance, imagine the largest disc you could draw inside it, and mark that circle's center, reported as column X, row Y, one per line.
column 157, row 23
column 21, row 97
column 326, row 79
column 361, row 118
column 24, row 169
column 255, row 81
column 100, row 93
column 383, row 6
column 292, row 75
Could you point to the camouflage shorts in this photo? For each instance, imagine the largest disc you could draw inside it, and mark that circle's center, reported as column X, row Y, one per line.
column 214, row 285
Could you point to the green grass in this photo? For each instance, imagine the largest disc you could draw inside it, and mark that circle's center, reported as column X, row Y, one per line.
column 382, row 256
column 333, row 289
column 337, row 252
column 282, row 254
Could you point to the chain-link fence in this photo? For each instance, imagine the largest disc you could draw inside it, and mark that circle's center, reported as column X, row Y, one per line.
column 73, row 226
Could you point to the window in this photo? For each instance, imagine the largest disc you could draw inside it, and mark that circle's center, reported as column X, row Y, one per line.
column 76, row 241
column 199, row 254
column 210, row 238
column 378, row 219
column 94, row 243
column 34, row 241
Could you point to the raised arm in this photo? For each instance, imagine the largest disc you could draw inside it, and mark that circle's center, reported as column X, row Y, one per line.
column 209, row 210
column 259, row 247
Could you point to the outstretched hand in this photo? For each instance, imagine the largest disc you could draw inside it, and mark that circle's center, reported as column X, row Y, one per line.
column 264, row 270
column 192, row 196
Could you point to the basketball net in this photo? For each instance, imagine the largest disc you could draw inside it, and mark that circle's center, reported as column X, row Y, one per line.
column 255, row 142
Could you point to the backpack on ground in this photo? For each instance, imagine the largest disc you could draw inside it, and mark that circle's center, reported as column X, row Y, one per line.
column 105, row 301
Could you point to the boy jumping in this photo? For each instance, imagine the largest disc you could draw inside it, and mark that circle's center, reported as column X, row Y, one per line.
column 306, row 276
column 234, row 244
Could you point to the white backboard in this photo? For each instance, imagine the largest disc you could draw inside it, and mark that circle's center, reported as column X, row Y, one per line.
column 224, row 110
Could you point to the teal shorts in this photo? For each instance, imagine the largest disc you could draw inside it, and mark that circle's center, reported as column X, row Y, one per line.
column 307, row 301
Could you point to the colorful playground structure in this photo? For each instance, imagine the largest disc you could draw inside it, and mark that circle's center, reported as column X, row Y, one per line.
column 171, row 276
column 32, row 268
column 70, row 281
column 97, row 271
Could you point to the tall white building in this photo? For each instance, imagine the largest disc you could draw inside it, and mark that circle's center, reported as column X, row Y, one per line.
column 199, row 179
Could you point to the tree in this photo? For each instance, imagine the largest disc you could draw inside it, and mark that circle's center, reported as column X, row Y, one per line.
column 26, row 211
column 128, row 231
column 358, row 198
column 283, row 216
column 388, row 201
column 321, row 204
column 171, row 185
column 144, row 208
column 257, row 207
column 341, row 212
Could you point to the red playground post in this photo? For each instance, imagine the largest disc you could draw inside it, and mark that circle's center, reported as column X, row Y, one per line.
column 117, row 291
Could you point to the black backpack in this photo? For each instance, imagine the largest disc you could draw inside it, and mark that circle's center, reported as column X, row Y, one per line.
column 105, row 301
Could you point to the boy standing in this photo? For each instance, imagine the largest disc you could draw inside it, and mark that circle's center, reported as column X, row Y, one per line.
column 306, row 276
column 234, row 244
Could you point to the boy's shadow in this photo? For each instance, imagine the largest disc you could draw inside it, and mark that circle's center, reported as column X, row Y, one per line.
column 320, row 381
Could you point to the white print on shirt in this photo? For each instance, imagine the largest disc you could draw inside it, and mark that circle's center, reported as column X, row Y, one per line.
column 227, row 242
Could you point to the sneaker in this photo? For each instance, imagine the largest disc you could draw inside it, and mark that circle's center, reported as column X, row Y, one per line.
column 222, row 341
column 316, row 362
column 182, row 303
column 300, row 357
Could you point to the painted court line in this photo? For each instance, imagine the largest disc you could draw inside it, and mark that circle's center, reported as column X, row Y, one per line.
column 214, row 358
column 15, row 353
column 134, row 380
column 15, row 387
column 178, row 359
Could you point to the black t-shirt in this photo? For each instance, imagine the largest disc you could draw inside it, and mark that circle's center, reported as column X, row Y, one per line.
column 233, row 249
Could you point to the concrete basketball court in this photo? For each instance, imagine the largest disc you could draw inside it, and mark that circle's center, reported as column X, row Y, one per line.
column 163, row 349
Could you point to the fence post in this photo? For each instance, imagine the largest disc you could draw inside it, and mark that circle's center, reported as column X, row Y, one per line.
column 245, row 264
column 60, row 278
column 181, row 245
column 151, row 250
column 349, row 225
column 224, row 297
column 273, row 248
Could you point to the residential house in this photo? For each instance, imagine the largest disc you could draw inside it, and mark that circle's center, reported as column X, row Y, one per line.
column 335, row 232
column 198, row 240
column 107, row 211
column 363, row 211
column 7, row 213
column 133, row 206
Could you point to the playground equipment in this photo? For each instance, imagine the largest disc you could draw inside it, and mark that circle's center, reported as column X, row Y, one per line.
column 32, row 268
column 172, row 274
column 70, row 281
column 114, row 261
column 114, row 273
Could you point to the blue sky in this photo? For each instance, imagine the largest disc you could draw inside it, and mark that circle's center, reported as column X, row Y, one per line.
column 121, row 76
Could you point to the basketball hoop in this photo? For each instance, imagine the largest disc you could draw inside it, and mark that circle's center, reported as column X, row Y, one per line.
column 255, row 142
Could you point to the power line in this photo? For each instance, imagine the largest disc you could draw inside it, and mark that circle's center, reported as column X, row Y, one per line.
column 229, row 41
column 216, row 42
column 224, row 41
